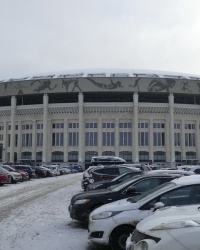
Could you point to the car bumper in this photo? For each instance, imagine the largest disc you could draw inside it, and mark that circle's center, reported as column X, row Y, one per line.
column 78, row 213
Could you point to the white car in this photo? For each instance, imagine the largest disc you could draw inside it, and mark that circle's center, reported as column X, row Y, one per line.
column 111, row 224
column 55, row 169
column 15, row 177
column 175, row 228
column 195, row 169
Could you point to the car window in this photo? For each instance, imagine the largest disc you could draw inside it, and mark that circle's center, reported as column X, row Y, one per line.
column 147, row 184
column 197, row 171
column 124, row 170
column 180, row 196
column 108, row 171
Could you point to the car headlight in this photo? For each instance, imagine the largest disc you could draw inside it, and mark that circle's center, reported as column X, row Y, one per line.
column 177, row 224
column 105, row 215
column 84, row 201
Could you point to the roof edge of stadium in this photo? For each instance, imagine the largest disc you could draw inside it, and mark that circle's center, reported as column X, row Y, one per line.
column 107, row 73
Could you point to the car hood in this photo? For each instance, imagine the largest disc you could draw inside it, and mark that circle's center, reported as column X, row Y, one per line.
column 169, row 214
column 88, row 194
column 120, row 205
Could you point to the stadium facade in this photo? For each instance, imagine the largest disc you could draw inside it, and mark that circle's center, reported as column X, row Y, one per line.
column 70, row 117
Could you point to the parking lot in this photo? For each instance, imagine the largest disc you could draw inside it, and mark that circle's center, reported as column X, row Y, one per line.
column 34, row 215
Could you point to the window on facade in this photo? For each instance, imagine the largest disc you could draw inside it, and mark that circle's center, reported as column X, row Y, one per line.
column 190, row 140
column 190, row 155
column 73, row 138
column 26, row 155
column 58, row 125
column 58, row 139
column 108, row 153
column 177, row 156
column 27, row 126
column 91, row 139
column 1, row 127
column 177, row 126
column 89, row 155
column 108, row 125
column 159, row 156
column 143, row 156
column 125, row 138
column 16, row 140
column 39, row 126
column 73, row 125
column 73, row 156
column 143, row 138
column 159, row 139
column 16, row 127
column 177, row 139
column 91, row 125
column 143, row 125
column 39, row 156
column 9, row 127
column 190, row 126
column 1, row 137
column 125, row 125
column 57, row 156
column 8, row 140
column 39, row 141
column 159, row 125
column 126, row 155
column 108, row 139
column 27, row 140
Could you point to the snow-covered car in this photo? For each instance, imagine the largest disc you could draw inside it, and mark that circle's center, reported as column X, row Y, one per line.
column 195, row 169
column 111, row 224
column 176, row 228
column 15, row 177
column 55, row 169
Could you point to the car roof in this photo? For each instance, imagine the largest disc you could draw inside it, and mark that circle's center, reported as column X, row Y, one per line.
column 187, row 180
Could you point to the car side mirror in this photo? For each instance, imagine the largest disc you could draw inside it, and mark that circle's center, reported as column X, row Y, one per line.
column 158, row 205
column 131, row 190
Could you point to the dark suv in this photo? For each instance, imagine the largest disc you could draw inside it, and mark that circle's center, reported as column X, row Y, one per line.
column 27, row 169
column 100, row 173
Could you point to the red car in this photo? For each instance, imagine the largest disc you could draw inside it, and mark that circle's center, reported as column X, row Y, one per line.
column 4, row 178
column 24, row 174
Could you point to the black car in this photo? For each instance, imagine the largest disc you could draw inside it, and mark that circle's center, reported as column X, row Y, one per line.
column 83, row 203
column 40, row 172
column 105, row 184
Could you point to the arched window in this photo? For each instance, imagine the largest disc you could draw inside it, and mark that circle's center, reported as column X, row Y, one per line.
column 159, row 156
column 39, row 156
column 73, row 156
column 144, row 156
column 89, row 154
column 126, row 155
column 108, row 153
column 26, row 155
column 57, row 156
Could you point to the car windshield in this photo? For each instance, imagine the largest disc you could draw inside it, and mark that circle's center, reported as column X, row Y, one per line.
column 123, row 184
column 156, row 190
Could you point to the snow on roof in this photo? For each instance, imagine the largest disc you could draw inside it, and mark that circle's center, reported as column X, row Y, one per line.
column 107, row 73
column 187, row 180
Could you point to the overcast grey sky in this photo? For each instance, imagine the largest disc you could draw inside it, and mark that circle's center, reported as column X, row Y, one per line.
column 41, row 36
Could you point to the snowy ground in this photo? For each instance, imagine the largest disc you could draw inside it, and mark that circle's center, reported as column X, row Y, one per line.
column 34, row 216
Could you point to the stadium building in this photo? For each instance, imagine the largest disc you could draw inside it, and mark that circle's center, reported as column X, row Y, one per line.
column 140, row 116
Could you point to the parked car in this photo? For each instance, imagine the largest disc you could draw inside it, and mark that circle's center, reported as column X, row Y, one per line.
column 175, row 228
column 99, row 173
column 105, row 184
column 111, row 224
column 140, row 166
column 65, row 170
column 195, row 169
column 26, row 168
column 83, row 204
column 40, row 172
column 24, row 174
column 55, row 169
column 5, row 178
column 49, row 172
column 15, row 177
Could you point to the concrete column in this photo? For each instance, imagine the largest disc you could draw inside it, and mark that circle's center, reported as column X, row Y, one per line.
column 117, row 137
column 12, row 132
column 183, row 148
column 81, row 155
column 65, row 140
column 34, row 141
column 19, row 145
column 5, row 140
column 151, row 145
column 100, row 136
column 171, row 126
column 45, row 124
column 135, row 125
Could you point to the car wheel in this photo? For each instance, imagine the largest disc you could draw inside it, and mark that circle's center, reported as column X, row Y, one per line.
column 119, row 236
column 13, row 181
